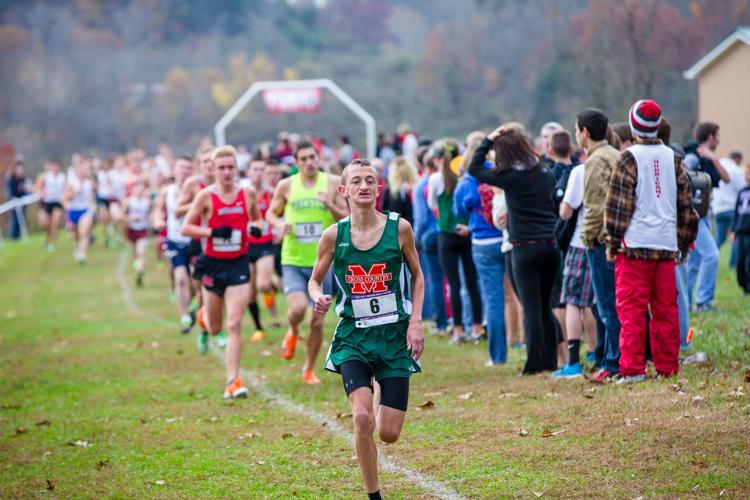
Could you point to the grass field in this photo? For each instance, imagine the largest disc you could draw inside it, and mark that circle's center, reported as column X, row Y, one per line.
column 101, row 396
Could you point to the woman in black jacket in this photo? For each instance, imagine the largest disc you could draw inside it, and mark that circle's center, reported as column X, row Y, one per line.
column 529, row 190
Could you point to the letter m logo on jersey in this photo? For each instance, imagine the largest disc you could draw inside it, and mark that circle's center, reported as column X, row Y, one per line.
column 372, row 281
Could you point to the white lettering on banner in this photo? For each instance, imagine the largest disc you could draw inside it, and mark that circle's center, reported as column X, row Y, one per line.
column 292, row 100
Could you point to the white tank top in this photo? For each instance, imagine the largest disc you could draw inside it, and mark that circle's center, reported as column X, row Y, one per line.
column 82, row 191
column 174, row 223
column 654, row 222
column 106, row 184
column 138, row 207
column 53, row 188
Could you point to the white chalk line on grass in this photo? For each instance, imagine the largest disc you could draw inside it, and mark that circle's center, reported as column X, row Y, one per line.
column 436, row 488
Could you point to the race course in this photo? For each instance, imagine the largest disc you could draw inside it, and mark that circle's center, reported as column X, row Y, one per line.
column 101, row 396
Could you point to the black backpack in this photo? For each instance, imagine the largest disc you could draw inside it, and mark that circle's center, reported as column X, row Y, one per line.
column 700, row 185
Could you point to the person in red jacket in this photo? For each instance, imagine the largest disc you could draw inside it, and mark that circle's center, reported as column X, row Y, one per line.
column 228, row 212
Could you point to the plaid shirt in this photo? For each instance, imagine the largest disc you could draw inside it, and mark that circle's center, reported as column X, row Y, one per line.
column 621, row 202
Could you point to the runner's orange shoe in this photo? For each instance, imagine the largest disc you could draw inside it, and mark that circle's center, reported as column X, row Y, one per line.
column 269, row 299
column 201, row 320
column 235, row 389
column 258, row 336
column 288, row 346
column 309, row 377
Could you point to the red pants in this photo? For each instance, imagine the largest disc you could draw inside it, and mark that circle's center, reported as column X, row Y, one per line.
column 639, row 284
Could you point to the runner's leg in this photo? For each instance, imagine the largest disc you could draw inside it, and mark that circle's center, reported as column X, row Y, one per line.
column 236, row 299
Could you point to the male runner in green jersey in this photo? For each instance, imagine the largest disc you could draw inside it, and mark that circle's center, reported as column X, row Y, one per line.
column 309, row 202
column 379, row 302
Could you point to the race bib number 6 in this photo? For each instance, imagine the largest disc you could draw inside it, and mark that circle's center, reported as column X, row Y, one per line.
column 374, row 310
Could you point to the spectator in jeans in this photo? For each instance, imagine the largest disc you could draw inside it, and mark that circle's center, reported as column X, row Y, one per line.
column 454, row 244
column 426, row 237
column 741, row 230
column 591, row 131
column 17, row 186
column 724, row 199
column 703, row 264
column 486, row 243
column 650, row 222
column 529, row 190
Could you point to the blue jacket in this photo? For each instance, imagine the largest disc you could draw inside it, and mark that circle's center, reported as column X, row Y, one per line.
column 468, row 204
column 425, row 224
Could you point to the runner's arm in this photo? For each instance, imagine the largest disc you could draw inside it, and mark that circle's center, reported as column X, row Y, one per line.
column 322, row 264
column 276, row 208
column 159, row 215
column 187, row 194
column 191, row 227
column 415, row 334
column 252, row 205
column 336, row 203
column 39, row 185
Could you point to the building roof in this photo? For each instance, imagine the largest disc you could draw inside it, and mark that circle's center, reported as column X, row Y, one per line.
column 741, row 34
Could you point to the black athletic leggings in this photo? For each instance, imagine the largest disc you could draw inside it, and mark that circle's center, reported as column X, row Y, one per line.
column 452, row 248
column 534, row 269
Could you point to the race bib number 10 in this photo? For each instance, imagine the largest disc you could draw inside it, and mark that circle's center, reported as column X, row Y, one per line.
column 308, row 232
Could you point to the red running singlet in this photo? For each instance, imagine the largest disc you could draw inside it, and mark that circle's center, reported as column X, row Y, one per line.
column 234, row 215
column 264, row 201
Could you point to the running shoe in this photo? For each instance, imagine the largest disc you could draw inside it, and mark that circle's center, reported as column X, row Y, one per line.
column 235, row 389
column 49, row 247
column 201, row 319
column 602, row 376
column 458, row 339
column 258, row 336
column 288, row 346
column 186, row 322
column 202, row 343
column 269, row 299
column 309, row 377
column 568, row 372
column 221, row 340
column 630, row 379
column 591, row 358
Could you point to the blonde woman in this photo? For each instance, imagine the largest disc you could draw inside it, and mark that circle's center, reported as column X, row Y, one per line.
column 402, row 177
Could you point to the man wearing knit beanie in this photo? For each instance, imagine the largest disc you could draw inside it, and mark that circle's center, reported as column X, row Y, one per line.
column 650, row 224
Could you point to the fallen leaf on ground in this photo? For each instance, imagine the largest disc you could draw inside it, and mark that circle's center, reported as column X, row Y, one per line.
column 523, row 432
column 261, row 462
column 723, row 493
column 427, row 405
column 155, row 345
column 43, row 422
column 10, row 406
column 82, row 444
column 551, row 395
column 160, row 482
column 266, row 353
column 589, row 393
column 737, row 393
column 101, row 464
column 698, row 464
column 142, row 420
column 507, row 395
column 249, row 435
column 21, row 430
column 697, row 399
column 630, row 422
column 287, row 435
column 431, row 394
column 538, row 494
column 468, row 395
column 344, row 415
column 548, row 433
column 747, row 376
column 50, row 486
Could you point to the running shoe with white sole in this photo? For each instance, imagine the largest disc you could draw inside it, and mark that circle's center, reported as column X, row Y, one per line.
column 235, row 389
column 258, row 336
column 221, row 340
column 630, row 379
column 202, row 344
column 186, row 322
